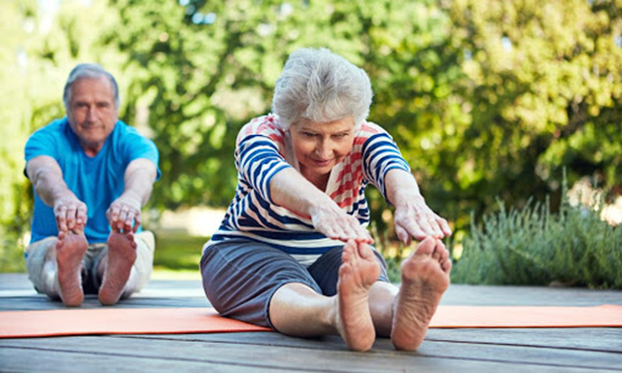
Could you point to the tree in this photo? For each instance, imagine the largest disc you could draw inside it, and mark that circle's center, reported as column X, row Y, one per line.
column 543, row 89
column 487, row 99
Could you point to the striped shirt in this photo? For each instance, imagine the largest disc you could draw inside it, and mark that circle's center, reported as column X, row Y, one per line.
column 263, row 149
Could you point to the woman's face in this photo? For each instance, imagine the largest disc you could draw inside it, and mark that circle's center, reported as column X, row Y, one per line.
column 320, row 146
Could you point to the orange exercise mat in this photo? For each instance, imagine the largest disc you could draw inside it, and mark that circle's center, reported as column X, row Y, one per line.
column 19, row 324
column 527, row 317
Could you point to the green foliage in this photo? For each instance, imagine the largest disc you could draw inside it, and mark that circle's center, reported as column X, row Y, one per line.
column 178, row 251
column 484, row 97
column 533, row 246
column 540, row 91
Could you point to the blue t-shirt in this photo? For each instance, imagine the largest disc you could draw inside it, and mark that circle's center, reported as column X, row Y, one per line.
column 96, row 181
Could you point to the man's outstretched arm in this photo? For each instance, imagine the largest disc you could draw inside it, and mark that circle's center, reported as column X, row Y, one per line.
column 124, row 214
column 47, row 178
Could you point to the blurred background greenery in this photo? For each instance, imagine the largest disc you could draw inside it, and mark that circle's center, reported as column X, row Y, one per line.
column 489, row 100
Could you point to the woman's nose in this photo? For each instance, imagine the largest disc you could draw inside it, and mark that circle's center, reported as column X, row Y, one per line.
column 323, row 149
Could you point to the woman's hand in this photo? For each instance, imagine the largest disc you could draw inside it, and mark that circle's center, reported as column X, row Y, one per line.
column 334, row 223
column 414, row 219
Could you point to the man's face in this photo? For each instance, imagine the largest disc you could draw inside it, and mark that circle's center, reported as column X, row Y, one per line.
column 92, row 113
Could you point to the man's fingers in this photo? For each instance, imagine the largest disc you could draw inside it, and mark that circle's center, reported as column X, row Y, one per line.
column 81, row 216
column 71, row 217
column 61, row 218
column 113, row 214
column 137, row 221
column 129, row 220
column 122, row 218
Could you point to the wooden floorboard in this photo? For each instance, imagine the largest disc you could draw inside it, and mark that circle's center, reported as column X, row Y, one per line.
column 444, row 350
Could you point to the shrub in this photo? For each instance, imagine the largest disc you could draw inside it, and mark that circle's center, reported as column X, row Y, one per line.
column 533, row 246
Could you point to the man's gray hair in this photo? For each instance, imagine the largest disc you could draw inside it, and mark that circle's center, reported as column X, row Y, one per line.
column 89, row 71
column 321, row 86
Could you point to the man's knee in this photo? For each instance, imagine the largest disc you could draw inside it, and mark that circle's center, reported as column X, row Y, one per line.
column 41, row 274
column 143, row 266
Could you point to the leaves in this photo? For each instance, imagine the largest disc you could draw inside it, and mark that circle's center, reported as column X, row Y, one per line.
column 485, row 98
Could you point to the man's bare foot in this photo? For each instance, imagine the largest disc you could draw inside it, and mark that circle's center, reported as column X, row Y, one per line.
column 70, row 249
column 425, row 277
column 119, row 261
column 358, row 272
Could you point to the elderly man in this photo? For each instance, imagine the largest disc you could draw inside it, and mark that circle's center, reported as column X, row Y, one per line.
column 91, row 175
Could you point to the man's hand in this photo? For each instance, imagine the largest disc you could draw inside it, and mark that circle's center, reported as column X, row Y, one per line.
column 70, row 213
column 124, row 214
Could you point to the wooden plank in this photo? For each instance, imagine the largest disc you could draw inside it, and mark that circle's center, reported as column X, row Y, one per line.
column 20, row 360
column 17, row 294
column 55, row 361
column 205, row 358
column 568, row 354
column 474, row 295
column 519, row 355
column 321, row 355
column 41, row 302
column 479, row 350
column 588, row 339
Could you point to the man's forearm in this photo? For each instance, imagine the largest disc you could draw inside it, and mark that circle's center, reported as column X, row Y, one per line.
column 47, row 179
column 139, row 178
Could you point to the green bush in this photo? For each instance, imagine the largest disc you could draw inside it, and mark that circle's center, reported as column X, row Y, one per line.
column 533, row 246
column 11, row 252
column 178, row 251
column 14, row 226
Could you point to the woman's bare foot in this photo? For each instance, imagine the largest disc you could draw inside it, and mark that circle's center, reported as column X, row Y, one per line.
column 425, row 277
column 70, row 249
column 358, row 272
column 119, row 261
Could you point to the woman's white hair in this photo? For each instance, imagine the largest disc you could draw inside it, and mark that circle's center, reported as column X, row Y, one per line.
column 321, row 86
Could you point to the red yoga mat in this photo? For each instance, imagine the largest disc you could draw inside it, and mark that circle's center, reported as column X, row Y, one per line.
column 20, row 324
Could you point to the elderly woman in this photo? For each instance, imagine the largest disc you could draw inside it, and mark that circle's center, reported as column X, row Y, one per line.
column 292, row 252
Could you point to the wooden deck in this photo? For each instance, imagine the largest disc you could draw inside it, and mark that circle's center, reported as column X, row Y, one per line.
column 444, row 350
